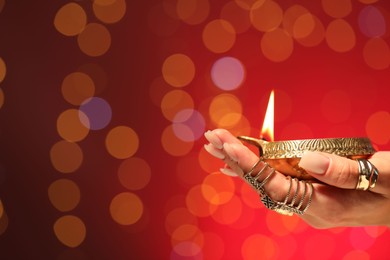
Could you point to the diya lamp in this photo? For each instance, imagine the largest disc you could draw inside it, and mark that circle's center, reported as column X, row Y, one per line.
column 284, row 156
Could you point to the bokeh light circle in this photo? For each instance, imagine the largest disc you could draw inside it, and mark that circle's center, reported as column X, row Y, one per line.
column 109, row 13
column 193, row 11
column 173, row 145
column 69, row 126
column 186, row 249
column 337, row 8
column 219, row 36
column 122, row 142
column 126, row 208
column 4, row 222
column 94, row 40
column 66, row 157
column 70, row 230
column 266, row 15
column 64, row 194
column 197, row 204
column 371, row 22
column 277, row 45
column 189, row 128
column 225, row 110
column 134, row 173
column 3, row 70
column 259, row 246
column 238, row 17
column 178, row 70
column 96, row 113
column 228, row 73
column 218, row 188
column 376, row 54
column 77, row 87
column 340, row 36
column 378, row 127
column 178, row 217
column 70, row 19
column 175, row 101
column 228, row 213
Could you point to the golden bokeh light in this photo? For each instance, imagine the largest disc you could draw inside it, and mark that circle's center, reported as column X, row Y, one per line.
column 277, row 45
column 225, row 110
column 77, row 87
column 291, row 15
column 219, row 36
column 70, row 127
column 193, row 11
column 178, row 217
column 277, row 226
column 173, row 145
column 303, row 26
column 134, row 173
column 178, row 70
column 247, row 4
column 187, row 233
column 4, row 222
column 109, row 12
column 236, row 16
column 218, row 188
column 104, row 2
column 340, row 36
column 175, row 101
column 2, row 4
column 379, row 135
column 197, row 204
column 376, row 54
column 259, row 246
column 266, row 15
column 337, row 8
column 122, row 142
column 94, row 40
column 228, row 213
column 70, row 230
column 3, row 70
column 64, row 194
column 70, row 19
column 317, row 34
column 126, row 208
column 66, row 157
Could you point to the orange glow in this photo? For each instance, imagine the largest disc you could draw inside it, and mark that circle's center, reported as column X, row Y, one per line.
column 267, row 132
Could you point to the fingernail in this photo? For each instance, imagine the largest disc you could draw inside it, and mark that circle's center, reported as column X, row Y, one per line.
column 230, row 152
column 213, row 151
column 314, row 162
column 228, row 172
column 213, row 138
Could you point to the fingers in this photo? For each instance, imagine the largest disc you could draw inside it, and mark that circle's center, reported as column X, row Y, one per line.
column 331, row 169
column 342, row 172
column 240, row 160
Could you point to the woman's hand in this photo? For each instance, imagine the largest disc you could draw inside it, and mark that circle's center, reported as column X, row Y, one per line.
column 335, row 201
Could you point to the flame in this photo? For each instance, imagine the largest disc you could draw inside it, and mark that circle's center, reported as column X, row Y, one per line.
column 267, row 131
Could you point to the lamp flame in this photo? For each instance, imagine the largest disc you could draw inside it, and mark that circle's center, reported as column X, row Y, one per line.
column 267, row 131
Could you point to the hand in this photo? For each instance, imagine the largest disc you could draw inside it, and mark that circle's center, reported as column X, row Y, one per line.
column 335, row 201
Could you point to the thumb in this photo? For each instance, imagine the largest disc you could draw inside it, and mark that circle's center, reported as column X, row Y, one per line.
column 334, row 170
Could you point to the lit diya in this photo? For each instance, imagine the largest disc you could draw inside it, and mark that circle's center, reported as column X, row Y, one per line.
column 284, row 156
